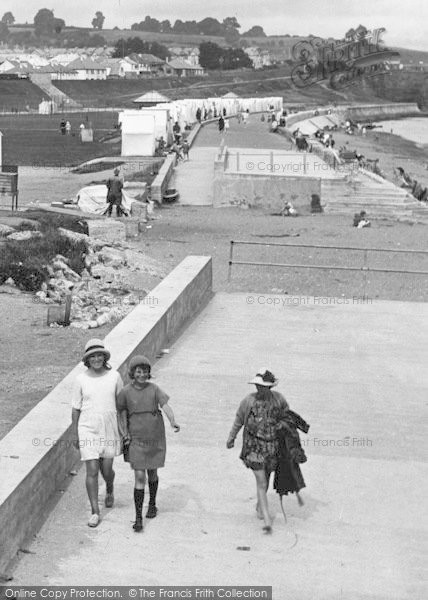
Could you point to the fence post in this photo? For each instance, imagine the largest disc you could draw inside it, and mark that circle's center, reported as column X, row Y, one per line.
column 229, row 275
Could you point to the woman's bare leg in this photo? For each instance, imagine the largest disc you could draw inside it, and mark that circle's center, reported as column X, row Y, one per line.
column 92, row 467
column 262, row 497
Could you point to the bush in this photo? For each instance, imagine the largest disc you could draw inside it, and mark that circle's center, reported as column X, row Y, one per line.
column 27, row 226
column 51, row 221
column 26, row 260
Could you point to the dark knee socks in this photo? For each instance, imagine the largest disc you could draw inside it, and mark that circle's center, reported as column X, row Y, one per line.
column 153, row 488
column 109, row 484
column 138, row 501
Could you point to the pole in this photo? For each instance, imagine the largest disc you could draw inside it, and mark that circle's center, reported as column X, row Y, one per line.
column 229, row 275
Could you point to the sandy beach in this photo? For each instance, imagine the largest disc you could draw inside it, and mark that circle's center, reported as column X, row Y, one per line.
column 392, row 151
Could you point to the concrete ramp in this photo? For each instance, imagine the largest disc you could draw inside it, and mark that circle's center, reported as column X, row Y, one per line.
column 194, row 178
column 355, row 369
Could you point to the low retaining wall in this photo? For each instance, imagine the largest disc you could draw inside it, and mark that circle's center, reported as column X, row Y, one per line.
column 37, row 455
column 260, row 191
column 382, row 111
column 160, row 183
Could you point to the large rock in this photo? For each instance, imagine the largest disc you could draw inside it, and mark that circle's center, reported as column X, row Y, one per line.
column 112, row 257
column 19, row 236
column 5, row 230
column 74, row 236
column 107, row 229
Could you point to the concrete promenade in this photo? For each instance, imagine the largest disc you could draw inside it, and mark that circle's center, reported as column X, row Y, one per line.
column 357, row 373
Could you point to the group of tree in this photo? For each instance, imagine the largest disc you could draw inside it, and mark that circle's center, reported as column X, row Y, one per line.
column 7, row 19
column 124, row 47
column 213, row 56
column 228, row 28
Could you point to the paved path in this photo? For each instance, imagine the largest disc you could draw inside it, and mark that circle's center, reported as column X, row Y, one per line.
column 194, row 178
column 357, row 373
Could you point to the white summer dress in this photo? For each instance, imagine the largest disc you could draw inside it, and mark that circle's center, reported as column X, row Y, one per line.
column 95, row 396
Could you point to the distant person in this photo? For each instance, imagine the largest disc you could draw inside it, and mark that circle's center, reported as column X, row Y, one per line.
column 226, row 125
column 186, row 148
column 114, row 194
column 221, row 124
column 224, row 112
column 68, row 127
column 62, row 126
column 316, row 204
column 198, row 115
column 81, row 129
column 361, row 220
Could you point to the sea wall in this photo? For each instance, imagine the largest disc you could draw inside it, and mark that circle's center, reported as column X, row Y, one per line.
column 38, row 454
column 382, row 111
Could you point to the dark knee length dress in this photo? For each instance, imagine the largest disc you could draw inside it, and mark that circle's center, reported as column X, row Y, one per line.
column 146, row 427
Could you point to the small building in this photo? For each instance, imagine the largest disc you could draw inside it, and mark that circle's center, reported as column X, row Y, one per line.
column 151, row 99
column 88, row 69
column 181, row 68
column 147, row 64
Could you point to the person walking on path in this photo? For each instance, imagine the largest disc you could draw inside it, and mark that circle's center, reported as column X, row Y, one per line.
column 114, row 194
column 221, row 124
column 95, row 424
column 226, row 125
column 141, row 421
column 185, row 147
column 260, row 413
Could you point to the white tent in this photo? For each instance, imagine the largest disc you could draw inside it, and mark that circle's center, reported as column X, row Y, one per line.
column 93, row 199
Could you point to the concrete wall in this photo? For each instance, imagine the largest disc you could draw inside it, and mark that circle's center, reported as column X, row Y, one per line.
column 382, row 111
column 260, row 191
column 37, row 455
column 160, row 183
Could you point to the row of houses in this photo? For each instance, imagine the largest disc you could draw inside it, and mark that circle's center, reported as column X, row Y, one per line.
column 77, row 66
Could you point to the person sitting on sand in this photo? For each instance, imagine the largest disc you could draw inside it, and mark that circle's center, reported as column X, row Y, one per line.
column 361, row 220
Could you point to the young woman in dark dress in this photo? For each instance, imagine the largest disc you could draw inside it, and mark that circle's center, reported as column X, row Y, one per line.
column 139, row 405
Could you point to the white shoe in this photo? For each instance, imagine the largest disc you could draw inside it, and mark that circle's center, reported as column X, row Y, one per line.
column 94, row 520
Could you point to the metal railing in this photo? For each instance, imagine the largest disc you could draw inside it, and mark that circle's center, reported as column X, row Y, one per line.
column 365, row 268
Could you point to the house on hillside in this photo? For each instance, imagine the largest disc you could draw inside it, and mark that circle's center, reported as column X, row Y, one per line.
column 64, row 58
column 59, row 72
column 260, row 58
column 190, row 55
column 15, row 68
column 180, row 68
column 147, row 64
column 88, row 69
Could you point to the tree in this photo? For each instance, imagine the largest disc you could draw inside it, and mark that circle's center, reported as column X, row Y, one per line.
column 210, row 26
column 165, row 26
column 8, row 18
column 124, row 47
column 231, row 23
column 45, row 23
column 4, row 31
column 98, row 20
column 210, row 55
column 255, row 31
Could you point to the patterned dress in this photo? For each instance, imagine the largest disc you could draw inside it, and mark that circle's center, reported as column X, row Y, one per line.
column 260, row 441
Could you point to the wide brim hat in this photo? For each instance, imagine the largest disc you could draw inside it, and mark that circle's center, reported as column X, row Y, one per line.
column 138, row 361
column 265, row 378
column 93, row 347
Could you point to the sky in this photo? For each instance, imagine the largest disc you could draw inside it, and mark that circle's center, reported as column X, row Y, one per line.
column 405, row 22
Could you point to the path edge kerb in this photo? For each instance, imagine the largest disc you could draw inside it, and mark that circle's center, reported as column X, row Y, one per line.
column 37, row 455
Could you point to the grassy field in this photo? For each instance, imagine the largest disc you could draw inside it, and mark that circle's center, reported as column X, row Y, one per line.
column 18, row 94
column 35, row 140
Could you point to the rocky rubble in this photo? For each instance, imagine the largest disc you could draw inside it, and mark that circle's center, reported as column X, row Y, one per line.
column 100, row 293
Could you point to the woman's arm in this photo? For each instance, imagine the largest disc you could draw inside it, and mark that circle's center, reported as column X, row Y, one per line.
column 122, row 422
column 169, row 413
column 237, row 424
column 75, row 416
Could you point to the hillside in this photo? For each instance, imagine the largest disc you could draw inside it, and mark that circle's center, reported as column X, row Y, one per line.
column 17, row 94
